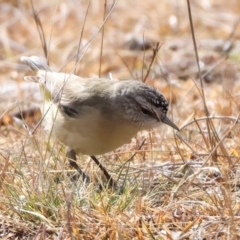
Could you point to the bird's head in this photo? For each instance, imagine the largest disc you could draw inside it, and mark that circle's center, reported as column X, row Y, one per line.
column 144, row 105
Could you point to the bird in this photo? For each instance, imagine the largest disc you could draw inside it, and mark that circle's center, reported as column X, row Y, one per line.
column 93, row 116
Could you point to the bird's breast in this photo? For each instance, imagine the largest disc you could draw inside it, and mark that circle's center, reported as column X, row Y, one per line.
column 90, row 133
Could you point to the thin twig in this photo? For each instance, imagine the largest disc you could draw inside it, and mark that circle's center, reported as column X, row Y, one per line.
column 86, row 47
column 209, row 124
column 196, row 55
column 144, row 53
column 125, row 64
column 40, row 30
column 155, row 51
column 69, row 205
column 210, row 117
column 81, row 36
column 102, row 38
column 128, row 161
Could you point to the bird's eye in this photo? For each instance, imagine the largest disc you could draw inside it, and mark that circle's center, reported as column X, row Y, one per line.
column 146, row 111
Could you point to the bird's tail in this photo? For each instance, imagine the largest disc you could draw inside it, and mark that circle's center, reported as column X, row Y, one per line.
column 42, row 70
column 35, row 63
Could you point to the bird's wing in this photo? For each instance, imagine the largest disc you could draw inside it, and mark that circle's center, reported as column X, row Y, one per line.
column 72, row 93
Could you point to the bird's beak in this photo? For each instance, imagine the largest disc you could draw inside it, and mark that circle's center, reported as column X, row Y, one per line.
column 167, row 121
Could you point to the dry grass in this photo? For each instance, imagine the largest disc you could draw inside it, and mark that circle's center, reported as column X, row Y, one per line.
column 177, row 186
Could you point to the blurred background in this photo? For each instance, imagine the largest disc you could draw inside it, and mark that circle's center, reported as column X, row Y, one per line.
column 122, row 45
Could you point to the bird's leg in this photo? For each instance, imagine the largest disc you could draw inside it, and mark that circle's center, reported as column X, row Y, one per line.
column 71, row 155
column 111, row 182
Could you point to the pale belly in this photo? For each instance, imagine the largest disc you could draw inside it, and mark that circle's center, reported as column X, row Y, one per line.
column 88, row 135
column 88, row 140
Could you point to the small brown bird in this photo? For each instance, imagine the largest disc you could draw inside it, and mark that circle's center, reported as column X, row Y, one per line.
column 94, row 116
